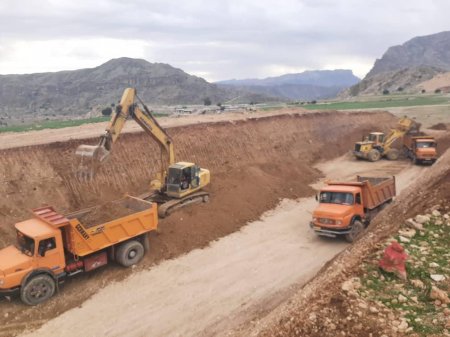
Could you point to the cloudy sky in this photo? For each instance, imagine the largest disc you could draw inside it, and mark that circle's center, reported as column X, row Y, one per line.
column 214, row 39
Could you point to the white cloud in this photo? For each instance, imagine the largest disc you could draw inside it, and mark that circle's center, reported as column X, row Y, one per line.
column 219, row 39
column 53, row 55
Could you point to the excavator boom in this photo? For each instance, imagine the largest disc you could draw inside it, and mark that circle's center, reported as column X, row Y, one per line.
column 93, row 156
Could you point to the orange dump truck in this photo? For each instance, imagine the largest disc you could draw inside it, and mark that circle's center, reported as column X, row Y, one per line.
column 51, row 247
column 420, row 149
column 345, row 208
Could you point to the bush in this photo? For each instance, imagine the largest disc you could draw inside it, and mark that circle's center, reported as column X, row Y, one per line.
column 423, row 91
column 385, row 92
column 400, row 89
column 207, row 101
column 107, row 111
column 437, row 91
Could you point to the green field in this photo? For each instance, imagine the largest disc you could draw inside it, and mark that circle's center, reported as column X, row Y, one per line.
column 55, row 124
column 381, row 102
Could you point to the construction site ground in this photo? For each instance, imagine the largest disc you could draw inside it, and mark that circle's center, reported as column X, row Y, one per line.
column 222, row 268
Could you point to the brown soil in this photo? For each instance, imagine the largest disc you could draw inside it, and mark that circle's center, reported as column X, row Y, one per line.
column 104, row 213
column 253, row 164
column 439, row 126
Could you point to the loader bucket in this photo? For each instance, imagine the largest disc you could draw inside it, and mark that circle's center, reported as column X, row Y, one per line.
column 90, row 158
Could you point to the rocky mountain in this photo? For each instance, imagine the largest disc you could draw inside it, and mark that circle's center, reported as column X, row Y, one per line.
column 405, row 67
column 407, row 79
column 302, row 86
column 79, row 91
column 423, row 51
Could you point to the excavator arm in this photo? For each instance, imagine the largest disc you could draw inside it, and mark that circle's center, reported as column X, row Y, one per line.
column 92, row 156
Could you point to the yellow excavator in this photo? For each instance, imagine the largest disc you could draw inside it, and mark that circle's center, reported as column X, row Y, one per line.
column 177, row 185
column 378, row 145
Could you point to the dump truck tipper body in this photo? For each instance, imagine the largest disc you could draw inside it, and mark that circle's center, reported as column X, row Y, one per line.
column 51, row 247
column 345, row 208
column 420, row 149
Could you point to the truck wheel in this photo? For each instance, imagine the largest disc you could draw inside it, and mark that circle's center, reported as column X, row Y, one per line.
column 374, row 155
column 37, row 290
column 393, row 154
column 355, row 232
column 129, row 253
column 146, row 242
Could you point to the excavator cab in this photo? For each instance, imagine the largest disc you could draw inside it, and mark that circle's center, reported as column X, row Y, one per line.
column 184, row 178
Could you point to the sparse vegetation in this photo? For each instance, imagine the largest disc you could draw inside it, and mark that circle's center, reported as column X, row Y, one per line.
column 54, row 124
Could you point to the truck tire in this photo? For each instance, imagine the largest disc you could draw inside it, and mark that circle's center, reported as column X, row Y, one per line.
column 38, row 289
column 355, row 232
column 374, row 155
column 129, row 253
column 393, row 154
column 146, row 242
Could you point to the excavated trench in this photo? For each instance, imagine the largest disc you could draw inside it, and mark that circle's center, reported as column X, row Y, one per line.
column 254, row 163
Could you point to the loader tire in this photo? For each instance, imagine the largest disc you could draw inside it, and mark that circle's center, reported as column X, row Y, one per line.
column 356, row 231
column 38, row 289
column 374, row 155
column 393, row 154
column 129, row 253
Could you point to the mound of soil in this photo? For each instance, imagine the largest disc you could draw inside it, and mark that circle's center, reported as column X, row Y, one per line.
column 439, row 126
column 105, row 213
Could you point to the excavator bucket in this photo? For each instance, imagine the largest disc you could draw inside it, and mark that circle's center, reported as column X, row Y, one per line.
column 90, row 158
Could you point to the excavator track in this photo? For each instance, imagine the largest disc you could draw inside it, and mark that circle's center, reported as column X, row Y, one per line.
column 167, row 206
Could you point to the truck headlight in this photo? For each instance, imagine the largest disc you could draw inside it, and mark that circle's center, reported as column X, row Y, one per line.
column 314, row 219
column 2, row 282
column 338, row 222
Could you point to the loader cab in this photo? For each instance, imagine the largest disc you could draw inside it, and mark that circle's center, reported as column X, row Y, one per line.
column 377, row 137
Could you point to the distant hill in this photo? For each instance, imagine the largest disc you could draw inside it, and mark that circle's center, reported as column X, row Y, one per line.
column 78, row 91
column 302, row 86
column 406, row 79
column 423, row 51
column 405, row 67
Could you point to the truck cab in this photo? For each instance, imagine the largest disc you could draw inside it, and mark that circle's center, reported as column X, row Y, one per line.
column 339, row 207
column 424, row 150
column 345, row 208
column 38, row 248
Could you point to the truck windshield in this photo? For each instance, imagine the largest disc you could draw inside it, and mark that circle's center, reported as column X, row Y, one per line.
column 25, row 244
column 336, row 198
column 423, row 145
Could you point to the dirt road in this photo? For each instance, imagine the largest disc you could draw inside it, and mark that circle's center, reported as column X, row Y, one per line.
column 208, row 291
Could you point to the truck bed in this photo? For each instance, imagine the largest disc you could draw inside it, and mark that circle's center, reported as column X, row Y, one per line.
column 96, row 228
column 375, row 190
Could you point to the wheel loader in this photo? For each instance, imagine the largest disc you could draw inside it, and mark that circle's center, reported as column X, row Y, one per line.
column 378, row 145
column 177, row 184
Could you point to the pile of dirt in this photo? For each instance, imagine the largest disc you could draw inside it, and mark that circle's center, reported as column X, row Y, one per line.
column 104, row 213
column 254, row 163
column 321, row 308
column 439, row 126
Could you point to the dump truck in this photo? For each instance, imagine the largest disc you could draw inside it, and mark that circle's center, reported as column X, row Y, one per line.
column 346, row 208
column 420, row 149
column 51, row 247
